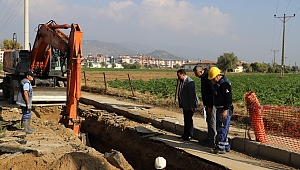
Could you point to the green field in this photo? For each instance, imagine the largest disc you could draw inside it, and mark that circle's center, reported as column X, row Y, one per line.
column 269, row 88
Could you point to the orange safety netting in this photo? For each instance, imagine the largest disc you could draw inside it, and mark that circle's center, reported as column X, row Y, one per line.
column 278, row 126
column 253, row 107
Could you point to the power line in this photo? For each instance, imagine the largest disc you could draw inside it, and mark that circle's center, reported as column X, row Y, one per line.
column 287, row 6
column 7, row 13
column 289, row 28
column 277, row 7
column 278, row 37
column 297, row 10
column 11, row 17
column 274, row 25
column 3, row 6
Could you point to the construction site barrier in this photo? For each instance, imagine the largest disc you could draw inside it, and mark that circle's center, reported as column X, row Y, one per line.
column 277, row 126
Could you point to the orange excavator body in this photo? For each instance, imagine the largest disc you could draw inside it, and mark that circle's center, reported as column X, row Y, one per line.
column 70, row 46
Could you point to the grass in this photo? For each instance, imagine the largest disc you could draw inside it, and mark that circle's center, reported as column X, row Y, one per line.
column 18, row 126
column 2, row 131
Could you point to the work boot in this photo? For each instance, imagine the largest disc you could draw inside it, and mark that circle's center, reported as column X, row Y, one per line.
column 207, row 142
column 31, row 129
column 25, row 124
column 216, row 150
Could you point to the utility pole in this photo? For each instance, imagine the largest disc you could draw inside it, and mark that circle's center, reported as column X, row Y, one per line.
column 284, row 19
column 274, row 57
column 26, row 25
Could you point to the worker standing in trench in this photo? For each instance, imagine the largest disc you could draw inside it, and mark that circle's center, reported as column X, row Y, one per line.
column 24, row 100
column 223, row 103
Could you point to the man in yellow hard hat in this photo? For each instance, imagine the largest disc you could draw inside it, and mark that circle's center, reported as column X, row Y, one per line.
column 223, row 103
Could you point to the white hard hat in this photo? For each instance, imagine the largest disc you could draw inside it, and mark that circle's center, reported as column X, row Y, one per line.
column 160, row 163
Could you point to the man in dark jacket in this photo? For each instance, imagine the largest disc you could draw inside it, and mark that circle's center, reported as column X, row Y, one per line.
column 223, row 104
column 188, row 101
column 207, row 99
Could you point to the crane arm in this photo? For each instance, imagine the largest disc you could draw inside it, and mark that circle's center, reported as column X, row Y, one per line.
column 73, row 76
column 48, row 34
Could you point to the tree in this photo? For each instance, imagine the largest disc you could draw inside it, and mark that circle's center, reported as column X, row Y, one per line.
column 136, row 65
column 126, row 65
column 258, row 67
column 227, row 61
column 277, row 69
column 294, row 69
column 10, row 45
column 153, row 66
column 247, row 67
column 113, row 65
column 103, row 64
column 177, row 66
column 271, row 69
column 287, row 69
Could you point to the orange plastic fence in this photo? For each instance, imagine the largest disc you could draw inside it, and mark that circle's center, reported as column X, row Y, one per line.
column 253, row 107
column 277, row 126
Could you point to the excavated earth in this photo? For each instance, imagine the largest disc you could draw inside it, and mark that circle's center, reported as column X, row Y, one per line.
column 50, row 146
column 112, row 142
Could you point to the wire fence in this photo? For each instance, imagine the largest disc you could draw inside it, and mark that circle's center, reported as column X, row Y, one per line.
column 277, row 126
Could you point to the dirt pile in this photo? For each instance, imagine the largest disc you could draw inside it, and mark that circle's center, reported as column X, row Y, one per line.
column 50, row 146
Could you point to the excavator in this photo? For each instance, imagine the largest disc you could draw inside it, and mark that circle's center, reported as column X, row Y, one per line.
column 56, row 60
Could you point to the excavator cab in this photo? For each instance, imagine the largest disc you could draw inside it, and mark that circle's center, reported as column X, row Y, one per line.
column 58, row 63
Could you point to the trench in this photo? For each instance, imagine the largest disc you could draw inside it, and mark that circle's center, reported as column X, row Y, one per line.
column 106, row 133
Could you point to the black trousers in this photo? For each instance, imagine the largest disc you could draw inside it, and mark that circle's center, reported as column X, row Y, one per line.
column 188, row 123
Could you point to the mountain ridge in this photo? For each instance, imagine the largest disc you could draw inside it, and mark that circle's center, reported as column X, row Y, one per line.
column 94, row 47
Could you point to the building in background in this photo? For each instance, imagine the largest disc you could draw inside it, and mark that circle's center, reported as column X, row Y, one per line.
column 204, row 64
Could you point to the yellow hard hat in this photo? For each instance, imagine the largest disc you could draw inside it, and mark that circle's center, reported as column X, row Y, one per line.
column 213, row 72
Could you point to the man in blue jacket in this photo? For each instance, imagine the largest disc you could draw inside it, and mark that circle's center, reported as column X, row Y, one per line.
column 24, row 100
column 223, row 104
column 207, row 99
column 188, row 101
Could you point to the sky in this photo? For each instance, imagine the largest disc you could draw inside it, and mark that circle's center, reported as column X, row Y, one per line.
column 192, row 29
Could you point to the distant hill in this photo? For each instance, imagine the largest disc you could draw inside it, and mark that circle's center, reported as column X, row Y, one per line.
column 95, row 47
column 137, row 48
column 161, row 54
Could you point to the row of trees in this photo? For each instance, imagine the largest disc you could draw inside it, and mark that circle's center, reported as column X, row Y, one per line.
column 10, row 44
column 267, row 68
column 228, row 62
